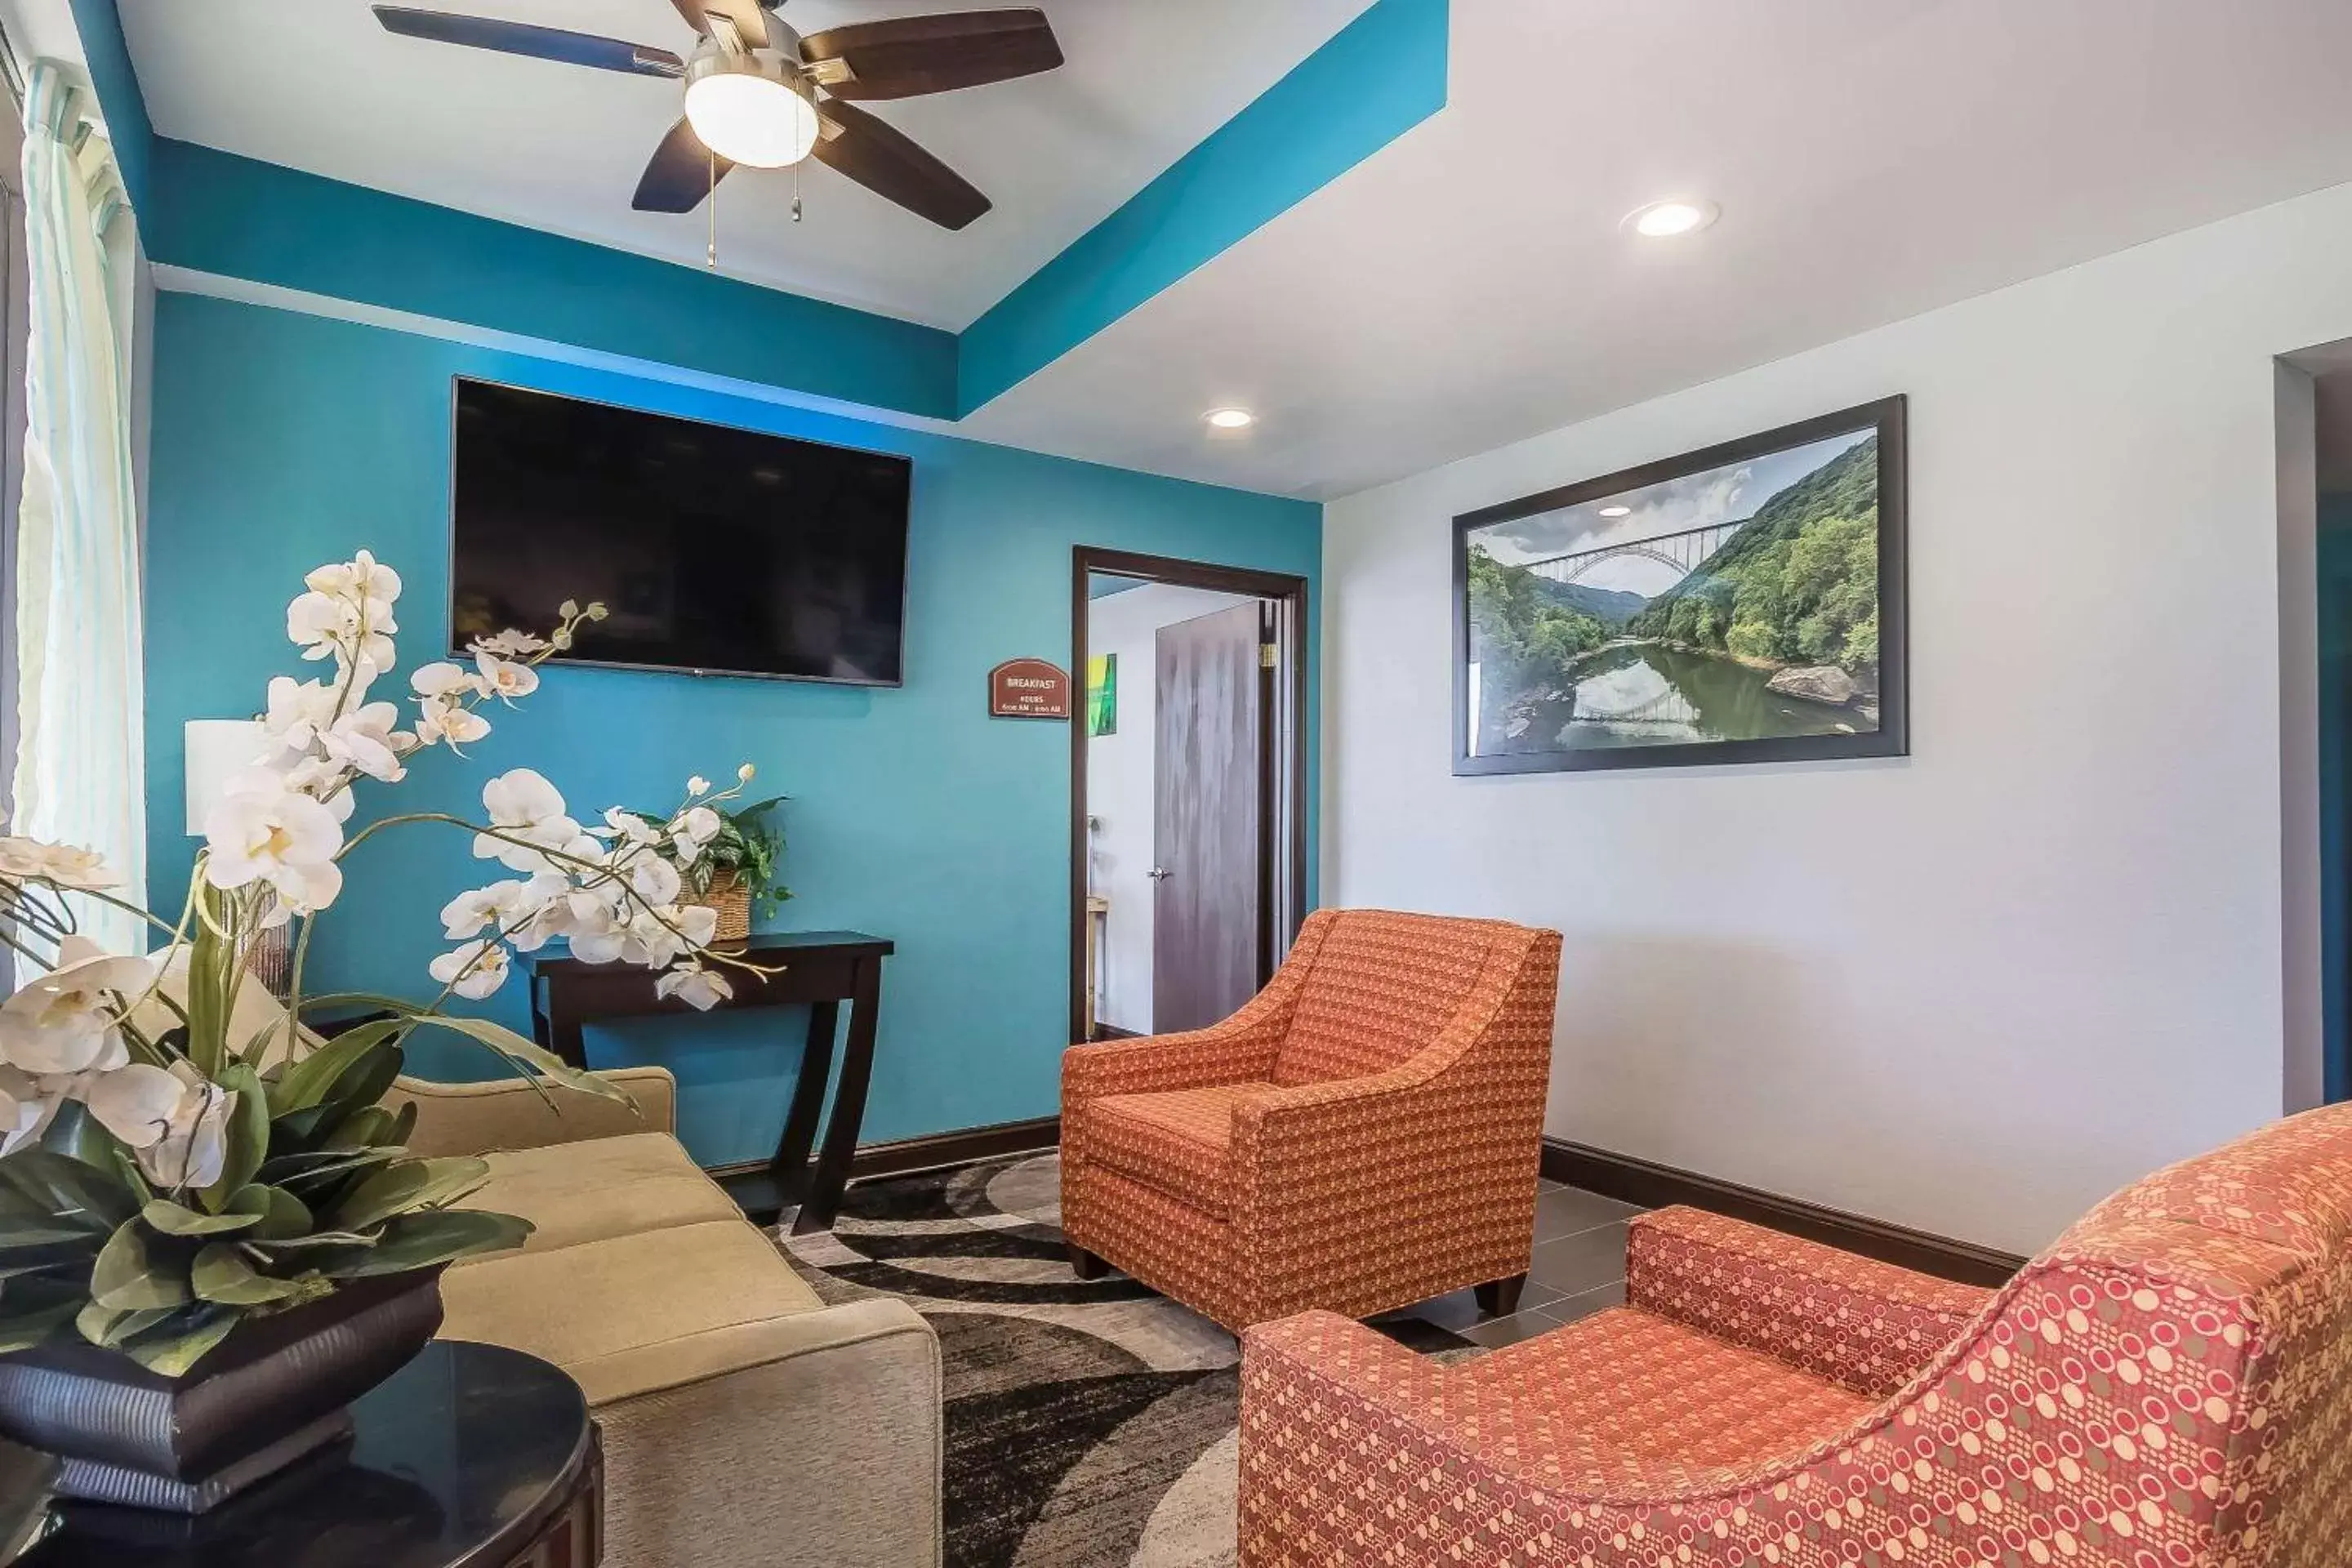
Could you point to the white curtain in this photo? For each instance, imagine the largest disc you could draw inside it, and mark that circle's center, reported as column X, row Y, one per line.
column 80, row 775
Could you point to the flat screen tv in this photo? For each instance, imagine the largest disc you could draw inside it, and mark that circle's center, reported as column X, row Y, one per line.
column 718, row 552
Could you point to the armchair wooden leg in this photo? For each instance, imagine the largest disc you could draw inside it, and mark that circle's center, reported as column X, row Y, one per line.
column 1501, row 1297
column 1085, row 1264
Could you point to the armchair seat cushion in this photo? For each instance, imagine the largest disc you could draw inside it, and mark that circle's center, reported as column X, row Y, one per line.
column 575, row 1193
column 1178, row 1142
column 1632, row 1390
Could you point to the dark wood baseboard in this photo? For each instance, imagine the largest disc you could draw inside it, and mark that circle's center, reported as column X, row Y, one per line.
column 750, row 1183
column 1633, row 1181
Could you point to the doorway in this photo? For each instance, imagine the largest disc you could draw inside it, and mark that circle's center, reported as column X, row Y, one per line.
column 1188, row 791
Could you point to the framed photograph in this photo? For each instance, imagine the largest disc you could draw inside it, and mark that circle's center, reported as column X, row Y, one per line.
column 1744, row 604
column 1102, row 694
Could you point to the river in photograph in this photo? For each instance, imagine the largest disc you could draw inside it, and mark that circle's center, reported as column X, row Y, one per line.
column 1647, row 694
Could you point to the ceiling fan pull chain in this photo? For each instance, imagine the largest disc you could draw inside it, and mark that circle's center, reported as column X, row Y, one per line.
column 714, row 210
column 796, row 193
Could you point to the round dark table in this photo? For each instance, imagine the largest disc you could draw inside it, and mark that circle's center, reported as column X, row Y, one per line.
column 469, row 1456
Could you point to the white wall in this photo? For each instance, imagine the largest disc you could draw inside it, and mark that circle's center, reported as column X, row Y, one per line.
column 1119, row 782
column 1976, row 989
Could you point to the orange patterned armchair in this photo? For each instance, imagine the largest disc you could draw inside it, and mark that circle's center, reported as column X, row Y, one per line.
column 1362, row 1136
column 2168, row 1386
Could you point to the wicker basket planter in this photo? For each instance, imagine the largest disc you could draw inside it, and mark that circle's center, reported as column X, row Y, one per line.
column 732, row 901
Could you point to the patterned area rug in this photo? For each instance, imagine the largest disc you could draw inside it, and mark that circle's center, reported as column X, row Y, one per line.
column 1089, row 1424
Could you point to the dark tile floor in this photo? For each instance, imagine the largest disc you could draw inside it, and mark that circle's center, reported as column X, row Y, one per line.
column 1579, row 1268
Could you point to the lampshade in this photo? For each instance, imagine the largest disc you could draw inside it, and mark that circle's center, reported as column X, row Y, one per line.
column 218, row 750
column 743, row 111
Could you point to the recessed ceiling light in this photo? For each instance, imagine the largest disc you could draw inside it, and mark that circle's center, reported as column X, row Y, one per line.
column 1616, row 511
column 1230, row 418
column 1674, row 216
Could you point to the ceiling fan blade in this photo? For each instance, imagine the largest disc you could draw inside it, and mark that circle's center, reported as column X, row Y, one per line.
column 886, row 160
column 681, row 175
column 916, row 55
column 538, row 43
column 750, row 18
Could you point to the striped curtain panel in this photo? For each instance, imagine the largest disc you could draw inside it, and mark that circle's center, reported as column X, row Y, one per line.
column 81, row 773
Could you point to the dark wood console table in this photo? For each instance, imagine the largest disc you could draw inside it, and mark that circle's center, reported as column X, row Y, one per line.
column 818, row 969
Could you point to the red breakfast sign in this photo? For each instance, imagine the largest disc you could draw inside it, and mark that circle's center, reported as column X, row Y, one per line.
column 1028, row 688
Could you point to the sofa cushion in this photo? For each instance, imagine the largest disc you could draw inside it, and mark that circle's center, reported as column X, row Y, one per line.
column 604, row 1187
column 1636, row 1389
column 1178, row 1142
column 632, row 1313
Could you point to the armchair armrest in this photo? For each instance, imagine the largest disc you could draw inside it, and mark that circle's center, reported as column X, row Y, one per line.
column 1230, row 1052
column 1867, row 1325
column 510, row 1113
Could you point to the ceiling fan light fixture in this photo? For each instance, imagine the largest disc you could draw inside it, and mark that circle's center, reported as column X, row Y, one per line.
column 1230, row 418
column 743, row 108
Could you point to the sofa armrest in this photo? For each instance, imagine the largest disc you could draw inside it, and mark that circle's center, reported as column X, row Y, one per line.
column 810, row 1437
column 1867, row 1325
column 515, row 1113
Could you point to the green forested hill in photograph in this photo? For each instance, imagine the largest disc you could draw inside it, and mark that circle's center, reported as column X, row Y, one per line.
column 1798, row 585
column 1520, row 630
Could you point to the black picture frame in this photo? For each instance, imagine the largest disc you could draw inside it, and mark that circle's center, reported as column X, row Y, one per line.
column 1891, row 738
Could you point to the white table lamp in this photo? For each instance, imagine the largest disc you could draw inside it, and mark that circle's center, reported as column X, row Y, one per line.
column 218, row 750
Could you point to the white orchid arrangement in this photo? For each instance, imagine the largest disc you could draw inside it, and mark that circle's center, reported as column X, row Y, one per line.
column 161, row 1180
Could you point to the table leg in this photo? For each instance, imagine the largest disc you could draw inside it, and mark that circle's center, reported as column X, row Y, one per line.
column 790, row 1167
column 557, row 1029
column 824, row 1200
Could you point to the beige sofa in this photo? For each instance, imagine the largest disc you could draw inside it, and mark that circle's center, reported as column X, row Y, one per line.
column 746, row 1425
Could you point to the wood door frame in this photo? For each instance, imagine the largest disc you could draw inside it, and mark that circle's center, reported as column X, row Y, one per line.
column 1287, row 754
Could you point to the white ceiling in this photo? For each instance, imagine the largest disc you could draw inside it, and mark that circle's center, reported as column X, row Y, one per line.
column 1874, row 158
column 317, row 85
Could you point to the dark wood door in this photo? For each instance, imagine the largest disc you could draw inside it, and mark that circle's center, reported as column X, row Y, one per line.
column 1208, row 820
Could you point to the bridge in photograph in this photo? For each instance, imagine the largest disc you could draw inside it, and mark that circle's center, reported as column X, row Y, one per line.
column 1683, row 553
column 1668, row 707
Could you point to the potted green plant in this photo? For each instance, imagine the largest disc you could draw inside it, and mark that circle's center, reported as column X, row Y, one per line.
column 739, row 857
column 211, row 1238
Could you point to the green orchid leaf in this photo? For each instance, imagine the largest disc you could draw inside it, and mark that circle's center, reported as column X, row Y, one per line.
column 417, row 1241
column 107, row 1327
column 64, row 1187
column 406, row 1186
column 248, row 1134
column 212, row 978
column 404, row 1123
column 20, row 1237
column 221, row 1274
column 279, row 1214
column 520, row 1053
column 311, row 1080
column 323, row 1241
column 174, row 1347
column 368, row 1127
column 135, row 1270
column 306, row 1173
column 174, row 1220
column 35, row 1310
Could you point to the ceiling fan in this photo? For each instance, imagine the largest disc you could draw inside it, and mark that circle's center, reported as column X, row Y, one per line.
column 760, row 95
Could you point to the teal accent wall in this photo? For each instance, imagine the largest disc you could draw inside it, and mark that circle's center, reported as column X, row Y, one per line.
column 1378, row 78
column 2335, row 791
column 281, row 440
column 216, row 213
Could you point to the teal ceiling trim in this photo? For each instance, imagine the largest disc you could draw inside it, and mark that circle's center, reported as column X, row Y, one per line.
column 119, row 98
column 1378, row 78
column 213, row 212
